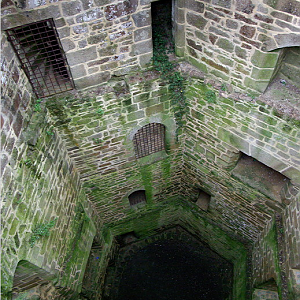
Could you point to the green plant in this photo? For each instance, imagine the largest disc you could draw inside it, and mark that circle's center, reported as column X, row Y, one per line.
column 40, row 231
column 100, row 111
column 50, row 131
column 210, row 96
column 223, row 87
column 37, row 106
column 96, row 141
column 162, row 45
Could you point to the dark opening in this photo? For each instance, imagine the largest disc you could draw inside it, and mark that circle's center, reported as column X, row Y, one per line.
column 42, row 58
column 162, row 25
column 137, row 197
column 203, row 200
column 149, row 139
column 259, row 176
column 175, row 270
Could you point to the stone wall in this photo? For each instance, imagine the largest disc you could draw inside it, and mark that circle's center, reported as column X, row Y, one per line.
column 236, row 42
column 70, row 158
column 40, row 187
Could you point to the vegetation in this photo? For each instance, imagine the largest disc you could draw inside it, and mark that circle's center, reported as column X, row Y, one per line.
column 163, row 45
column 40, row 231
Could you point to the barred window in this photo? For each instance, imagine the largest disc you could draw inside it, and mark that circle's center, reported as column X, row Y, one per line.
column 137, row 197
column 42, row 58
column 149, row 139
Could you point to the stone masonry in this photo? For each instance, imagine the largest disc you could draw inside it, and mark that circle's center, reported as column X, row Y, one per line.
column 68, row 162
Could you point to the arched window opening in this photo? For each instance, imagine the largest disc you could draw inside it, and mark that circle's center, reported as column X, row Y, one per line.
column 149, row 139
column 137, row 197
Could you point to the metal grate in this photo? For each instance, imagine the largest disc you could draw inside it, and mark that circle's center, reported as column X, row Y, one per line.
column 149, row 139
column 42, row 58
column 137, row 197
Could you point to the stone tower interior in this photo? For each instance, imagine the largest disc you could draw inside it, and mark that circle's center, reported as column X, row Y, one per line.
column 150, row 149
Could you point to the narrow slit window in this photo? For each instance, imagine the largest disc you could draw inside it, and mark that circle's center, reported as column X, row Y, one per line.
column 137, row 197
column 42, row 58
column 149, row 139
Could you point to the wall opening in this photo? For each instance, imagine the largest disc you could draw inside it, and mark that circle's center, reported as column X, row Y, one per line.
column 203, row 200
column 137, row 197
column 42, row 58
column 259, row 176
column 28, row 279
column 173, row 269
column 149, row 139
column 162, row 25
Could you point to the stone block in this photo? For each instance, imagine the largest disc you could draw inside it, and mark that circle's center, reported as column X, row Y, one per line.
column 142, row 47
column 142, row 34
column 64, row 32
column 67, row 44
column 240, row 52
column 89, row 16
column 78, row 71
column 97, row 39
column 225, row 44
column 195, row 6
column 92, row 80
column 145, row 59
column 264, row 59
column 260, row 294
column 196, row 20
column 142, row 18
column 154, row 110
column 108, row 51
column 261, row 74
column 135, row 115
column 231, row 24
column 71, row 8
column 287, row 40
column 234, row 140
column 248, row 31
column 245, row 6
column 223, row 3
column 201, row 66
column 180, row 16
column 82, row 56
column 259, row 86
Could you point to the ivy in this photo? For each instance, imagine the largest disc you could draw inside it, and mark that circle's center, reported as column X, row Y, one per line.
column 40, row 231
column 163, row 45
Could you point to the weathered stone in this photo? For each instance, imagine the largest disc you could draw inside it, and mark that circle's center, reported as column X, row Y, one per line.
column 78, row 71
column 142, row 18
column 218, row 32
column 81, row 56
column 195, row 6
column 263, row 18
column 261, row 74
column 244, row 19
column 71, row 8
column 67, row 44
column 223, row 3
column 142, row 47
column 225, row 44
column 240, row 52
column 247, row 31
column 245, row 6
column 120, row 10
column 64, row 32
column 78, row 29
column 89, row 16
column 192, row 44
column 142, row 34
column 196, row 20
column 108, row 51
column 264, row 59
column 97, row 39
column 287, row 40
